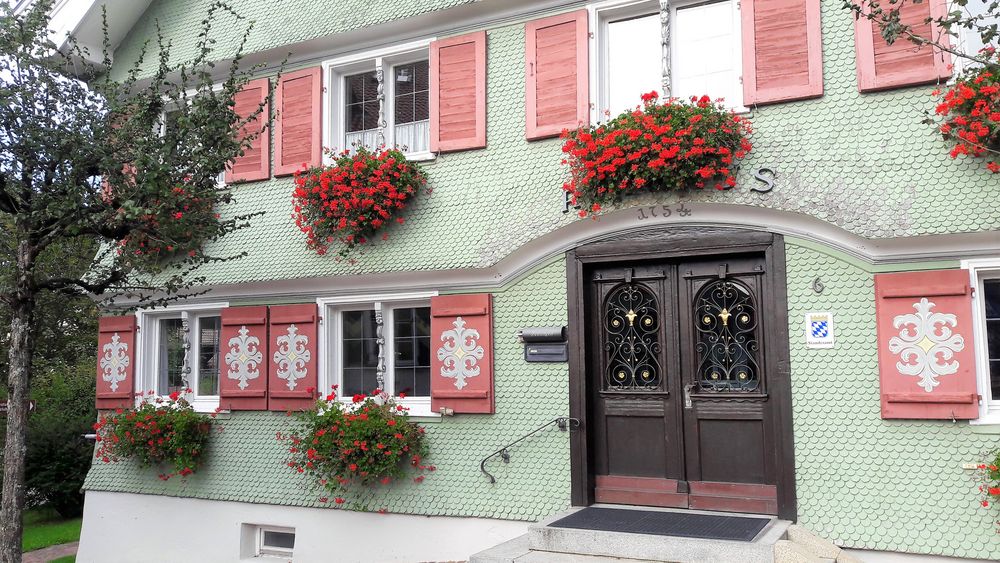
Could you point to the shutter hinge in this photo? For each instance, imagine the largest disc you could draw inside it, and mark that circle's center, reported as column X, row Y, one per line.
column 741, row 79
column 590, row 35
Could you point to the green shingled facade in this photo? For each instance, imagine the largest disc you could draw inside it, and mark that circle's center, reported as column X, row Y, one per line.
column 863, row 163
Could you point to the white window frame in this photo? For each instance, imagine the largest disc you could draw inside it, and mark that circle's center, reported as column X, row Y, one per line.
column 262, row 550
column 147, row 344
column 600, row 14
column 220, row 180
column 334, row 100
column 735, row 104
column 331, row 347
column 964, row 36
column 979, row 270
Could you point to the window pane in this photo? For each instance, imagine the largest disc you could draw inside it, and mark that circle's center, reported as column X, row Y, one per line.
column 411, row 349
column 991, row 296
column 634, row 61
column 355, row 118
column 405, row 79
column 704, row 52
column 284, row 540
column 371, row 115
column 404, row 109
column 993, row 339
column 973, row 38
column 170, row 356
column 361, row 87
column 359, row 358
column 208, row 355
column 422, row 72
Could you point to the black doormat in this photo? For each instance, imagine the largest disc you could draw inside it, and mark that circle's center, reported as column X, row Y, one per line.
column 681, row 524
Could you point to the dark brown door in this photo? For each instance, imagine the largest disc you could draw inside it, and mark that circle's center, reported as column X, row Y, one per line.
column 678, row 407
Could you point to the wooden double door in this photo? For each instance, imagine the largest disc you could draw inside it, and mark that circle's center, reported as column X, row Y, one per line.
column 680, row 386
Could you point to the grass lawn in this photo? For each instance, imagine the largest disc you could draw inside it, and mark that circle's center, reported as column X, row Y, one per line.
column 67, row 559
column 44, row 527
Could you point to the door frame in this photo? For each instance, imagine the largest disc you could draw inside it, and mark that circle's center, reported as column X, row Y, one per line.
column 675, row 243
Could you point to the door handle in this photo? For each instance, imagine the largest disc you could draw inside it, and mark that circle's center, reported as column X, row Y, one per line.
column 687, row 395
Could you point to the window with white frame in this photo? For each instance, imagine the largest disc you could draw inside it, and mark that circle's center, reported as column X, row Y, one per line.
column 168, row 119
column 382, row 96
column 705, row 52
column 971, row 40
column 986, row 282
column 180, row 349
column 353, row 331
column 275, row 542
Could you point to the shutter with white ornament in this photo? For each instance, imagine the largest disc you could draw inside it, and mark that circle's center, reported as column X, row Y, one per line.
column 115, row 362
column 291, row 369
column 243, row 369
column 462, row 354
column 926, row 353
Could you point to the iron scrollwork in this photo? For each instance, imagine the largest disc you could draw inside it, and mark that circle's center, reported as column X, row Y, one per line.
column 632, row 326
column 726, row 322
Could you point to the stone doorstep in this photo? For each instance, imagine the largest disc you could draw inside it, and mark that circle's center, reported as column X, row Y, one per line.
column 820, row 547
column 542, row 537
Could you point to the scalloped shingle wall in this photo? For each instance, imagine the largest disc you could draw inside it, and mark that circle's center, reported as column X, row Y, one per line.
column 864, row 482
column 245, row 462
column 862, row 162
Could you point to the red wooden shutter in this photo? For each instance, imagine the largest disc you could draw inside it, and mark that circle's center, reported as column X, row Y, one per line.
column 926, row 353
column 462, row 353
column 458, row 93
column 557, row 79
column 116, row 362
column 255, row 164
column 782, row 50
column 298, row 125
column 242, row 371
column 291, row 368
column 881, row 66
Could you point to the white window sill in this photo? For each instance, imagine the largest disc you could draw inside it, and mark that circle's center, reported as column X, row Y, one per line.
column 420, row 156
column 420, row 408
column 206, row 405
column 990, row 418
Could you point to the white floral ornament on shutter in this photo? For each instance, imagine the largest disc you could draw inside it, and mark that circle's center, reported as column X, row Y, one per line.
column 460, row 353
column 244, row 357
column 114, row 361
column 292, row 356
column 926, row 343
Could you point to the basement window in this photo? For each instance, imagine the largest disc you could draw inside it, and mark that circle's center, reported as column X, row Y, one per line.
column 275, row 542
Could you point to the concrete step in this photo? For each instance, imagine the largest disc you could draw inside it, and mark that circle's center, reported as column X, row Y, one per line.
column 516, row 551
column 817, row 546
column 786, row 551
column 643, row 547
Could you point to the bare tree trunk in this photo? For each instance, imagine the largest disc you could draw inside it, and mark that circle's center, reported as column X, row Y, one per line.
column 22, row 342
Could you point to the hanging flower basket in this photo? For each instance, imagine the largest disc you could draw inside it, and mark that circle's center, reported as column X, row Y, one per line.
column 970, row 110
column 352, row 449
column 353, row 200
column 657, row 147
column 159, row 431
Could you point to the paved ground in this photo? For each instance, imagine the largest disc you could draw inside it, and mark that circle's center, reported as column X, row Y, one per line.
column 49, row 553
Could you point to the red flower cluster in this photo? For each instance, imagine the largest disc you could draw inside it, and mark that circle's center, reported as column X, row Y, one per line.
column 656, row 147
column 176, row 223
column 988, row 477
column 157, row 431
column 970, row 109
column 367, row 442
column 352, row 200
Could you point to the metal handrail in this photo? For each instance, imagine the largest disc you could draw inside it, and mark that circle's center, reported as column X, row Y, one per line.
column 563, row 422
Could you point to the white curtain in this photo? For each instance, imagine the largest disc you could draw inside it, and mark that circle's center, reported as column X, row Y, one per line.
column 414, row 137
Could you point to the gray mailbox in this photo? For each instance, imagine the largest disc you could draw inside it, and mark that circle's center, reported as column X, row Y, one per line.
column 544, row 344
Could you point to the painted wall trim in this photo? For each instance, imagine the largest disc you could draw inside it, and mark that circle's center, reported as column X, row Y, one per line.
column 877, row 254
column 213, row 531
